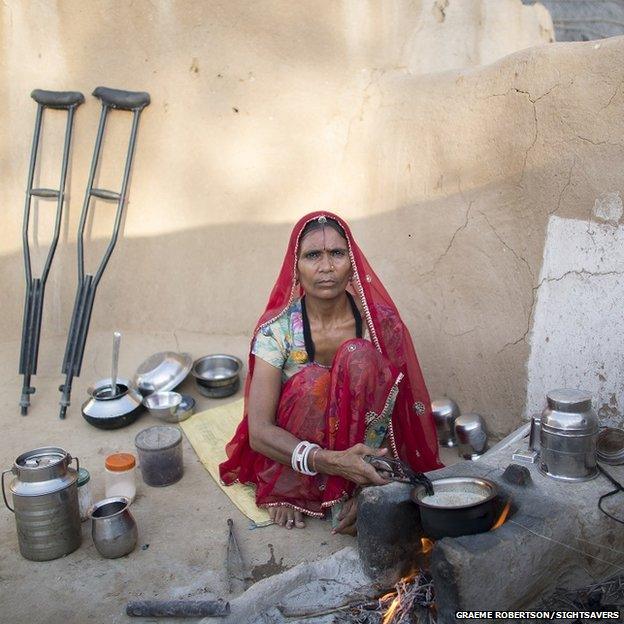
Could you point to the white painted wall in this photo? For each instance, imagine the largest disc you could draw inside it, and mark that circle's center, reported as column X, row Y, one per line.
column 578, row 331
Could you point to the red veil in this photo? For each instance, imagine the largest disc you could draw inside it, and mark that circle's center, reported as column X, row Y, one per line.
column 412, row 433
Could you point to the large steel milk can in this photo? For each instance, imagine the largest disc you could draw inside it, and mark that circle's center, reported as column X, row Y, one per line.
column 45, row 503
column 568, row 433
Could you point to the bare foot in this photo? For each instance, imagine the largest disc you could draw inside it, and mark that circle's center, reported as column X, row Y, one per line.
column 285, row 516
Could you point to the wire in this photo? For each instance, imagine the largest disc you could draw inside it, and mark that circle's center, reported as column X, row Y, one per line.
column 582, row 552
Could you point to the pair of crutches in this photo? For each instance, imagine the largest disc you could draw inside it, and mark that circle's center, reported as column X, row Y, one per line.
column 111, row 99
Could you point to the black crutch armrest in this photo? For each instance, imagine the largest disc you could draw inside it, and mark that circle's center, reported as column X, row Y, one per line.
column 124, row 100
column 57, row 99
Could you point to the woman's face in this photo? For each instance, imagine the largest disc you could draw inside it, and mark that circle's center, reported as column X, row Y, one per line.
column 323, row 267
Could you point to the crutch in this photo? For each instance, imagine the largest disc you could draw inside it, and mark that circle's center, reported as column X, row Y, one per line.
column 111, row 99
column 35, row 286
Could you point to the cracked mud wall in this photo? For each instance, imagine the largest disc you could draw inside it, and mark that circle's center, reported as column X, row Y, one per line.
column 262, row 113
column 483, row 160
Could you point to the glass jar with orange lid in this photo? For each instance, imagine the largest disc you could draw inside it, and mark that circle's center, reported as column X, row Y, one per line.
column 120, row 479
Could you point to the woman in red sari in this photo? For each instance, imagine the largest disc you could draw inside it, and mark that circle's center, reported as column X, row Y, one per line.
column 333, row 377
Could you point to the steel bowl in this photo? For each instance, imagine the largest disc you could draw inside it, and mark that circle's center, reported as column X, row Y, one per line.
column 610, row 446
column 162, row 372
column 445, row 411
column 170, row 407
column 218, row 375
column 163, row 405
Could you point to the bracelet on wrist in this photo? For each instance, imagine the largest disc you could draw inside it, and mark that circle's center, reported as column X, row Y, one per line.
column 300, row 455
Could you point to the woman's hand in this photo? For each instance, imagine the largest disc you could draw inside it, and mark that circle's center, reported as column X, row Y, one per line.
column 347, row 517
column 350, row 464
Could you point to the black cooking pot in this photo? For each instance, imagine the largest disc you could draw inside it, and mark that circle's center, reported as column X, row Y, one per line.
column 111, row 410
column 458, row 506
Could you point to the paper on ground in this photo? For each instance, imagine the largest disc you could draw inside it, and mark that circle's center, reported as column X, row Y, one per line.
column 209, row 432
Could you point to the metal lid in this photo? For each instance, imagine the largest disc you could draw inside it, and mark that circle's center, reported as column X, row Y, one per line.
column 610, row 446
column 569, row 412
column 569, row 400
column 42, row 471
column 41, row 458
column 162, row 371
column 469, row 422
column 120, row 462
column 158, row 438
column 83, row 476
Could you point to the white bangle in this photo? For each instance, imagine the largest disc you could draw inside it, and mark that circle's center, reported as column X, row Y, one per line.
column 296, row 454
column 299, row 458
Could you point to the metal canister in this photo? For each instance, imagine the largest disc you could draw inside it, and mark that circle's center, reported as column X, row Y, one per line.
column 471, row 435
column 444, row 412
column 45, row 503
column 568, row 433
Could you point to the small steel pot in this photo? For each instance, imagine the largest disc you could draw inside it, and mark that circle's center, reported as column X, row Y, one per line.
column 217, row 376
column 108, row 410
column 451, row 520
column 445, row 411
column 113, row 528
column 470, row 435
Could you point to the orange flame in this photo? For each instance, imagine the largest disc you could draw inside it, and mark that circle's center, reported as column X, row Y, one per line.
column 396, row 603
column 426, row 545
column 392, row 609
column 503, row 516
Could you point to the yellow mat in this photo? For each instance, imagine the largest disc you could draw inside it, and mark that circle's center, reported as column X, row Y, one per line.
column 209, row 432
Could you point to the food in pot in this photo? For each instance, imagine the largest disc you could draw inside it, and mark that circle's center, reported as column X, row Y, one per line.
column 454, row 499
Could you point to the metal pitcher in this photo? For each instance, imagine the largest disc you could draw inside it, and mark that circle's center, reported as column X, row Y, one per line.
column 45, row 503
column 113, row 528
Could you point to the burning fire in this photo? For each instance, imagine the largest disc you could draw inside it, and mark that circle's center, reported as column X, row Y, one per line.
column 426, row 545
column 395, row 606
column 396, row 602
column 503, row 516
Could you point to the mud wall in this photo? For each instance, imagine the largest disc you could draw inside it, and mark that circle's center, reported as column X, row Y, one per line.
column 456, row 176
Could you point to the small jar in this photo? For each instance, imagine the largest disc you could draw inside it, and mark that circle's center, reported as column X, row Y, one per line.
column 160, row 455
column 85, row 498
column 120, row 479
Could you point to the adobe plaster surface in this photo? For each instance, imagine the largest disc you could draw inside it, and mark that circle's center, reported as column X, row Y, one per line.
column 261, row 113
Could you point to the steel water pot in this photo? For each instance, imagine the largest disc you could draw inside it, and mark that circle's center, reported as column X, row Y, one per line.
column 113, row 528
column 568, row 433
column 45, row 503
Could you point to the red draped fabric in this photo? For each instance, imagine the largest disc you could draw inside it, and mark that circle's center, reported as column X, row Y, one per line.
column 329, row 407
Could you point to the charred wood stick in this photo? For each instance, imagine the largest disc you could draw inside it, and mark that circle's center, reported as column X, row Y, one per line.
column 177, row 608
column 303, row 613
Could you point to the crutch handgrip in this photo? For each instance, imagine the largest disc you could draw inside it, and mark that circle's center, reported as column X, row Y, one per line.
column 124, row 100
column 57, row 99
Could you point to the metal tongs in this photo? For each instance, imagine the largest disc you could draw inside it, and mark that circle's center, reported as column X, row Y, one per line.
column 397, row 470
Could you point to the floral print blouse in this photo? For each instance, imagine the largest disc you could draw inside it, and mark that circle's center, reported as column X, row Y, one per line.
column 281, row 343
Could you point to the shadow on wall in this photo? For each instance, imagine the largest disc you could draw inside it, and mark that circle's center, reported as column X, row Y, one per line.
column 461, row 292
column 461, row 271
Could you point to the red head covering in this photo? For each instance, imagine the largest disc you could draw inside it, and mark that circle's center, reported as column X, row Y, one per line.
column 412, row 435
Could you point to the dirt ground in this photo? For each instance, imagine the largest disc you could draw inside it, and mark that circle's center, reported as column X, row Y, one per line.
column 182, row 528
